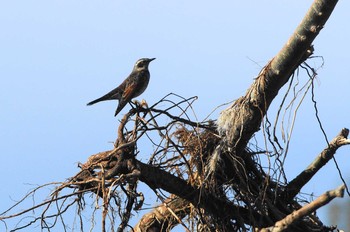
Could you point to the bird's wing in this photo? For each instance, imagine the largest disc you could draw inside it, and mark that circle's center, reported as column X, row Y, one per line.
column 128, row 94
column 129, row 91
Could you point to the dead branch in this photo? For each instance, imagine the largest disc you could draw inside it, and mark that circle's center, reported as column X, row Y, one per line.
column 241, row 120
column 165, row 216
column 322, row 200
column 294, row 186
column 157, row 178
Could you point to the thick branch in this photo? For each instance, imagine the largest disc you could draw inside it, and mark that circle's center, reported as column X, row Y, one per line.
column 164, row 217
column 306, row 210
column 294, row 187
column 157, row 178
column 243, row 118
column 294, row 50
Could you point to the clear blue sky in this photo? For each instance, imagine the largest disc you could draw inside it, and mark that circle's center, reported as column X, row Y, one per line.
column 55, row 56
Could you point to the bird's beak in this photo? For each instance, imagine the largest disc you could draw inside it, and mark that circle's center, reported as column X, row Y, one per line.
column 151, row 59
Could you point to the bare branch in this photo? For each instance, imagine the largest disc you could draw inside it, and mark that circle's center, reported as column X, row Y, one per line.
column 294, row 187
column 322, row 200
column 157, row 178
column 165, row 216
column 241, row 120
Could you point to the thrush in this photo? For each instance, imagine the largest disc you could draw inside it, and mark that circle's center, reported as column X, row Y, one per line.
column 133, row 86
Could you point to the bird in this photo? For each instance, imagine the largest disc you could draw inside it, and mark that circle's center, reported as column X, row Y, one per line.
column 133, row 86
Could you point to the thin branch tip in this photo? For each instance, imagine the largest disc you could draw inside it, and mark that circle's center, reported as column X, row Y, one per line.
column 345, row 132
column 339, row 192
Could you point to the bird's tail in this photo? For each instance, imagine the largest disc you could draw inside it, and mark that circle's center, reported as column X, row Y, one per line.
column 97, row 100
column 109, row 96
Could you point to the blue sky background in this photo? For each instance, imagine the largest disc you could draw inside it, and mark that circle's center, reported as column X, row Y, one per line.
column 55, row 56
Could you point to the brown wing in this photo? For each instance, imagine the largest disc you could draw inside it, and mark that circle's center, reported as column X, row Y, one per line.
column 129, row 92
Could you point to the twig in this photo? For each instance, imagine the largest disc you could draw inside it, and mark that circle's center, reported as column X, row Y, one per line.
column 46, row 202
column 294, row 187
column 306, row 210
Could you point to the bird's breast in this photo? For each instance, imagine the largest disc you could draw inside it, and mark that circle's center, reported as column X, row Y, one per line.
column 143, row 80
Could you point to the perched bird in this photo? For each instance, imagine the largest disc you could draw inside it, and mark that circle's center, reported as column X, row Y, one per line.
column 133, row 86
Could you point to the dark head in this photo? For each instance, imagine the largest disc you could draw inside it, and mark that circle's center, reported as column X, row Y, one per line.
column 142, row 64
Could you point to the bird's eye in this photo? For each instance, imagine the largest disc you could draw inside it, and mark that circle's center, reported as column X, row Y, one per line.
column 140, row 64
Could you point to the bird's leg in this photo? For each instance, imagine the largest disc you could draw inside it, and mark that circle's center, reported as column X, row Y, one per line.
column 137, row 106
column 133, row 104
column 136, row 103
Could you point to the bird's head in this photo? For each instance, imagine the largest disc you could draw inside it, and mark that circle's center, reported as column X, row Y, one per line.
column 142, row 64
